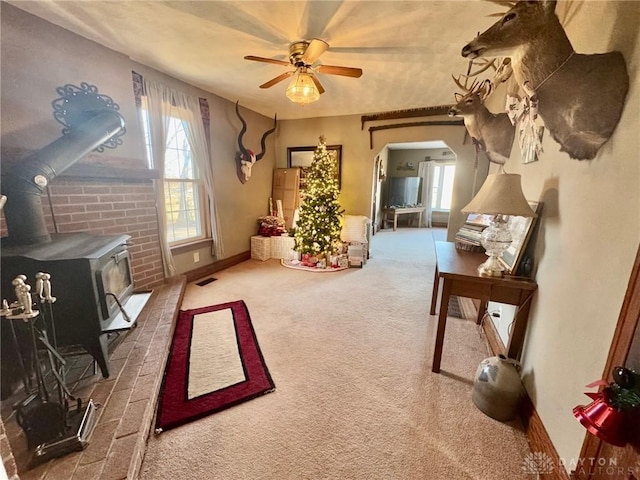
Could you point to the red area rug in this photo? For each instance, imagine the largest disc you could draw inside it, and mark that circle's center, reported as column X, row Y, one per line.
column 214, row 363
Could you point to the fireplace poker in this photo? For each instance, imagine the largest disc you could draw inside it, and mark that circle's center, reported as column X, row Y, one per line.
column 57, row 363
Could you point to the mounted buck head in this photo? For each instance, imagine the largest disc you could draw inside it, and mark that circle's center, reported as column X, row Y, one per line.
column 245, row 158
column 472, row 102
column 580, row 96
column 494, row 133
column 521, row 27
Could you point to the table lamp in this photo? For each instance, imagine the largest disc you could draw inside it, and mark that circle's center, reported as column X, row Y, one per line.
column 500, row 195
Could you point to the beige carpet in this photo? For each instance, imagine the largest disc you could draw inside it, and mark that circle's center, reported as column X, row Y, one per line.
column 350, row 354
column 214, row 332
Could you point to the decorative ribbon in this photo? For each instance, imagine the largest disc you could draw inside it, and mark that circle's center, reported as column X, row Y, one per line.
column 597, row 383
column 523, row 113
column 478, row 147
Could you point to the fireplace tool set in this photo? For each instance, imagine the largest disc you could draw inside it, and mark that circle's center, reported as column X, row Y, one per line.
column 54, row 423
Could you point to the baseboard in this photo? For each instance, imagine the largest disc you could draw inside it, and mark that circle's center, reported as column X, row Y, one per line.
column 217, row 266
column 539, row 440
column 537, row 436
column 467, row 308
column 492, row 336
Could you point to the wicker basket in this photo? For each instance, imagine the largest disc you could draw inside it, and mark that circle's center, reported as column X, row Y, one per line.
column 281, row 247
column 260, row 247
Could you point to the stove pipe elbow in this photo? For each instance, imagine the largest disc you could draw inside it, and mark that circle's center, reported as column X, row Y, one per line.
column 24, row 184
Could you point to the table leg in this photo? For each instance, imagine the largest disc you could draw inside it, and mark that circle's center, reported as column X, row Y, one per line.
column 442, row 323
column 395, row 221
column 419, row 219
column 481, row 310
column 434, row 294
column 516, row 339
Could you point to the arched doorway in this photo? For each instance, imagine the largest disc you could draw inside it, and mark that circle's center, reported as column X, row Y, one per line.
column 414, row 174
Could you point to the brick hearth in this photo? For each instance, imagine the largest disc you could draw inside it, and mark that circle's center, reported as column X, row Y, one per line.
column 127, row 400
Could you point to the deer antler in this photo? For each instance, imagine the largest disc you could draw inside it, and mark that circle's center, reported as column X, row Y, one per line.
column 502, row 74
column 484, row 66
column 504, row 71
column 503, row 3
column 464, row 87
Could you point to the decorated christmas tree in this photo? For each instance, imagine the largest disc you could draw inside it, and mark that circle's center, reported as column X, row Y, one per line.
column 318, row 227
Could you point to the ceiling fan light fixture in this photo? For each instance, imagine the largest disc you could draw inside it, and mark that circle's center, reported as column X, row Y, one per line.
column 302, row 89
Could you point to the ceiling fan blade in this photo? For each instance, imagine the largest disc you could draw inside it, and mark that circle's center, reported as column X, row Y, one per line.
column 267, row 60
column 344, row 71
column 278, row 79
column 317, row 82
column 316, row 48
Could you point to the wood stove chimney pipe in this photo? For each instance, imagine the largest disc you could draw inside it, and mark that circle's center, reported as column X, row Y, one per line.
column 26, row 182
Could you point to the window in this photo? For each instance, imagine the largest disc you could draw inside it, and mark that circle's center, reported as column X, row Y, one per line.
column 184, row 210
column 442, row 187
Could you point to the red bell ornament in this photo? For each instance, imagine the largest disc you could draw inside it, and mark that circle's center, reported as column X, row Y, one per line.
column 602, row 420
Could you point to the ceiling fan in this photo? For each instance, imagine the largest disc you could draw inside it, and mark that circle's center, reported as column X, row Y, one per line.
column 305, row 86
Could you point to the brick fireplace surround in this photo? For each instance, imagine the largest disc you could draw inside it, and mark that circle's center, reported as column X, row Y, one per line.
column 114, row 201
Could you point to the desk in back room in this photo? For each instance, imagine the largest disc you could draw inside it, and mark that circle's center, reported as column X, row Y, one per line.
column 459, row 272
column 395, row 211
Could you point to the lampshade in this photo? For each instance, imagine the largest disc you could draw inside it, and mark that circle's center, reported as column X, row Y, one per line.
column 302, row 89
column 501, row 193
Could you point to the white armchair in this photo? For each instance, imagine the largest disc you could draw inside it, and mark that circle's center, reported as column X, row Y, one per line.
column 356, row 228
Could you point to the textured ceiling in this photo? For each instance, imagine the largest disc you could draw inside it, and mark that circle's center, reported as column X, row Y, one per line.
column 406, row 49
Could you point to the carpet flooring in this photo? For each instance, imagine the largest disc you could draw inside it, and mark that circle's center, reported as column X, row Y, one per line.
column 351, row 355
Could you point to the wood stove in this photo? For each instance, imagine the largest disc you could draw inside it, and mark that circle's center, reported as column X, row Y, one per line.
column 91, row 274
column 92, row 281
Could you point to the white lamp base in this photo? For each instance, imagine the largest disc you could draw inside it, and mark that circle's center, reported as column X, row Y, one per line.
column 495, row 239
column 491, row 268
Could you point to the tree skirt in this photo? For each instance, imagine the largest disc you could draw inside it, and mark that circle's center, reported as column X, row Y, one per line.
column 298, row 266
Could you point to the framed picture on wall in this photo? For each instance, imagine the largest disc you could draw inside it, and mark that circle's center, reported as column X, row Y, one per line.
column 302, row 157
column 520, row 228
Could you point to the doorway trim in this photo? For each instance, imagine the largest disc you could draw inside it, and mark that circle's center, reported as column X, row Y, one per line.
column 628, row 322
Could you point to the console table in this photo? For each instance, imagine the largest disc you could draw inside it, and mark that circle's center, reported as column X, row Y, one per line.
column 458, row 270
column 401, row 211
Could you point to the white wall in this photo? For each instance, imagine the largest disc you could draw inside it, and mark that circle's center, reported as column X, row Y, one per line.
column 37, row 58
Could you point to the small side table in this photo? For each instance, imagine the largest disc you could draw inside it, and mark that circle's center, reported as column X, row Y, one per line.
column 458, row 270
column 394, row 212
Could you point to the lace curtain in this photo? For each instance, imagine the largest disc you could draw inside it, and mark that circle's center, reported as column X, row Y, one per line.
column 162, row 104
column 425, row 170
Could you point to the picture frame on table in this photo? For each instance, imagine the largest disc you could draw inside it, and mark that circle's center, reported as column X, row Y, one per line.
column 302, row 157
column 520, row 228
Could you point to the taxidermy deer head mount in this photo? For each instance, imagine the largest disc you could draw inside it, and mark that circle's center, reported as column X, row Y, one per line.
column 493, row 133
column 245, row 158
column 580, row 96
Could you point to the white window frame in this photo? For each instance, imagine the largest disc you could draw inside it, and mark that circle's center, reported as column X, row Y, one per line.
column 437, row 189
column 200, row 207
